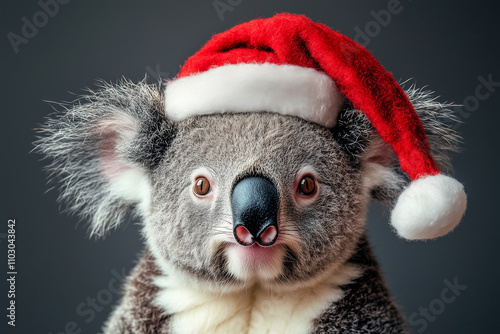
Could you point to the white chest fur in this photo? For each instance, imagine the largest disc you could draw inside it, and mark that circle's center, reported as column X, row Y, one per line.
column 251, row 310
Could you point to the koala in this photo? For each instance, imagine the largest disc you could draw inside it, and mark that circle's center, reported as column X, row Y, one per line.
column 115, row 150
column 253, row 222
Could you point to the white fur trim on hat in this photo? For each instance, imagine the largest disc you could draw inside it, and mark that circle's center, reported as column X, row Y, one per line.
column 285, row 89
column 429, row 208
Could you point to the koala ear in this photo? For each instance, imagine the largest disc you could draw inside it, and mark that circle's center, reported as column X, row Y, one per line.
column 364, row 148
column 383, row 177
column 103, row 149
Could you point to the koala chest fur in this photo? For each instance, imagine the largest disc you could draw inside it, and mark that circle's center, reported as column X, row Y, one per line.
column 354, row 300
column 251, row 310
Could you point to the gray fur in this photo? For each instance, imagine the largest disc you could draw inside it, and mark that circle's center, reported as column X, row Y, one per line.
column 438, row 120
column 136, row 312
column 125, row 123
column 367, row 306
column 71, row 138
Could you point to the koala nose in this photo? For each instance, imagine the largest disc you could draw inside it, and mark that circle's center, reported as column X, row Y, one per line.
column 255, row 204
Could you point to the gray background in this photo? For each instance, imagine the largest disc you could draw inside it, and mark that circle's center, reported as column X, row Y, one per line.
column 446, row 45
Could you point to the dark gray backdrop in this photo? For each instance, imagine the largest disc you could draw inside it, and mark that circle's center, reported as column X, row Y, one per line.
column 450, row 46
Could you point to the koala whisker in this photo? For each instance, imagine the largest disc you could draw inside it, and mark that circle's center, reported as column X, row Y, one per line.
column 227, row 220
column 222, row 232
column 285, row 237
column 289, row 231
column 288, row 227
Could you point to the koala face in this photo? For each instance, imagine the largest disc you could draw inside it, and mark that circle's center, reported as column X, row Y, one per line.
column 196, row 233
column 230, row 199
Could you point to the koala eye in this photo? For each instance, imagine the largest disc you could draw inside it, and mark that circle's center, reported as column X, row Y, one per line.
column 307, row 186
column 201, row 186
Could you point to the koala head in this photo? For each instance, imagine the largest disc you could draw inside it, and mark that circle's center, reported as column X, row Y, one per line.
column 230, row 199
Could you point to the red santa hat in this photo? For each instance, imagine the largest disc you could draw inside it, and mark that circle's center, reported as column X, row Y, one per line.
column 291, row 65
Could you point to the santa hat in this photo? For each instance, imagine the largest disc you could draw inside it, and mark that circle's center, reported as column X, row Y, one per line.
column 290, row 65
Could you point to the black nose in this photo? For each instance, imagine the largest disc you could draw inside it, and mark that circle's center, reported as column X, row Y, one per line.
column 255, row 204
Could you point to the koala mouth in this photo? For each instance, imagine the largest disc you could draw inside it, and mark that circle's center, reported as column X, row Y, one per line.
column 256, row 256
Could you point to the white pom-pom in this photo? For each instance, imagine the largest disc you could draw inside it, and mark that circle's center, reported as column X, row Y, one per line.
column 429, row 208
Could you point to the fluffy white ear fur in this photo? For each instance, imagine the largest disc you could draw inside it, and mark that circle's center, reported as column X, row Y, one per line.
column 126, row 181
column 377, row 159
column 429, row 208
